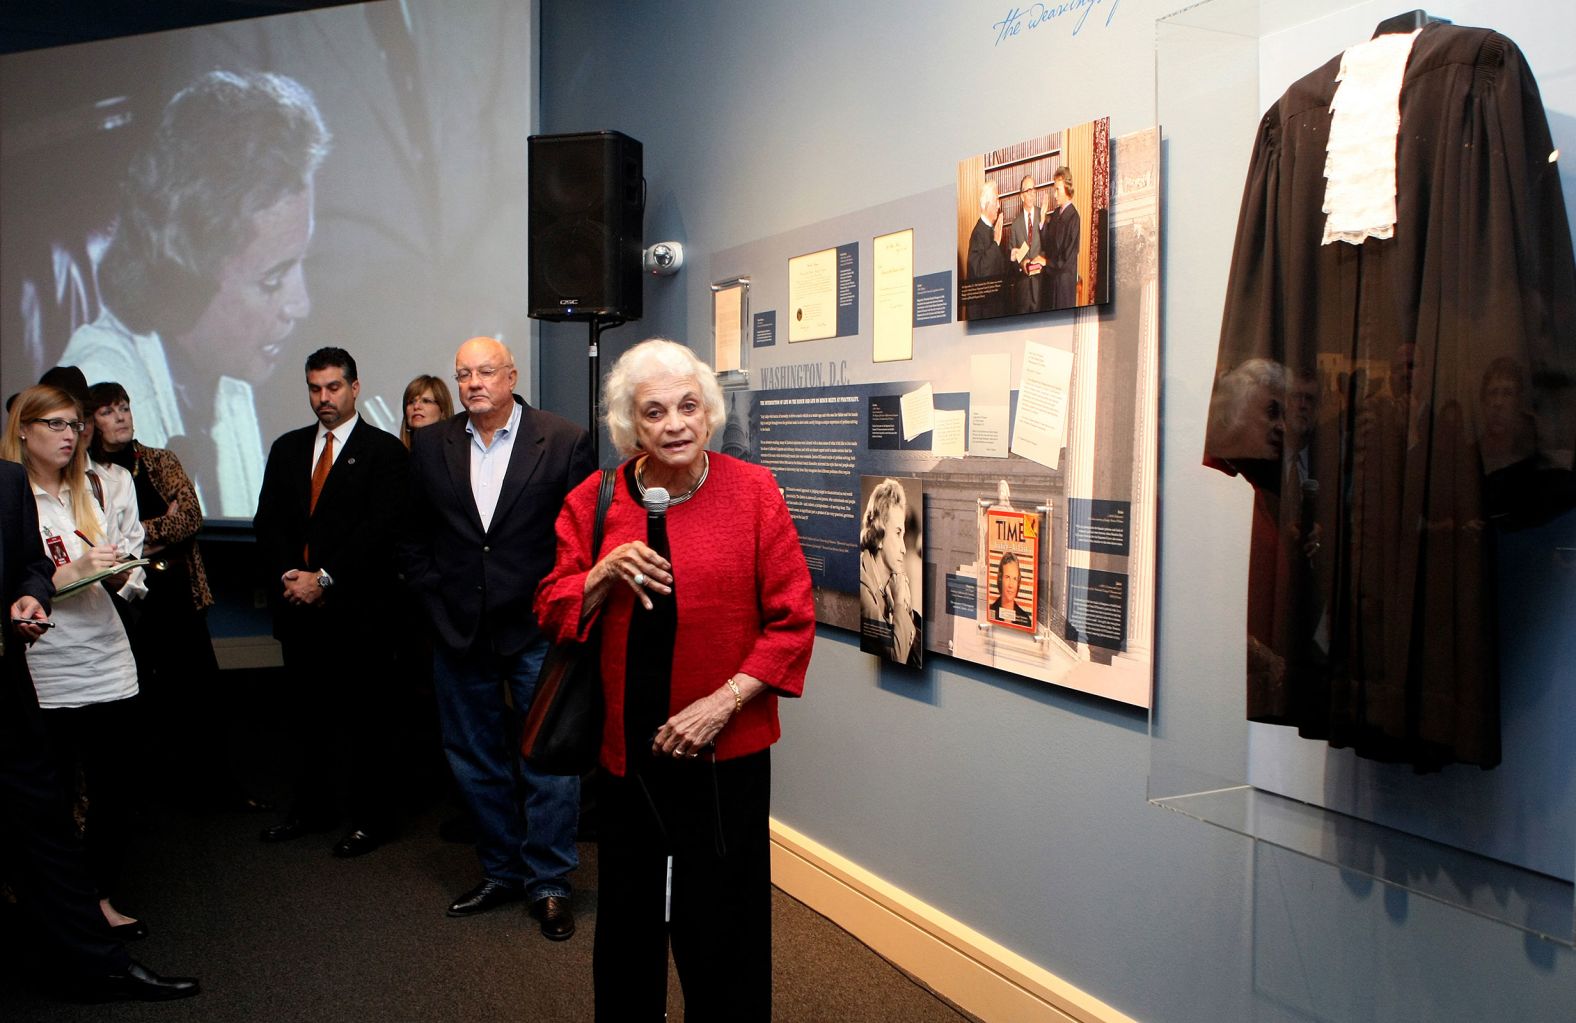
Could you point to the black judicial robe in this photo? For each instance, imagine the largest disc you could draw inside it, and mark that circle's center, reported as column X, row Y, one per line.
column 1394, row 403
column 1063, row 231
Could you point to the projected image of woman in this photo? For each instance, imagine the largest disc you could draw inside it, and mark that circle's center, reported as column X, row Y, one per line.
column 203, row 279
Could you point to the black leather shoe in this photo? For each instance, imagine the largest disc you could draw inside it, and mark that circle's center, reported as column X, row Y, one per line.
column 490, row 894
column 356, row 843
column 129, row 932
column 141, row 984
column 558, row 919
column 290, row 827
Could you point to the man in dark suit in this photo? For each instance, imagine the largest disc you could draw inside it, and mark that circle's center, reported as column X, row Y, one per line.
column 487, row 486
column 39, row 853
column 1026, row 240
column 327, row 524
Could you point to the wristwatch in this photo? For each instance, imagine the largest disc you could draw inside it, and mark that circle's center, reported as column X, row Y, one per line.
column 324, row 579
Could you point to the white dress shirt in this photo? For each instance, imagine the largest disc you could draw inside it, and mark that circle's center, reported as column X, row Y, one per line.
column 86, row 657
column 122, row 523
column 341, row 434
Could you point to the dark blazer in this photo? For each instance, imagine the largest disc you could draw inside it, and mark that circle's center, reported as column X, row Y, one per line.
column 1019, row 615
column 468, row 577
column 1027, row 229
column 1026, row 288
column 353, row 532
column 25, row 569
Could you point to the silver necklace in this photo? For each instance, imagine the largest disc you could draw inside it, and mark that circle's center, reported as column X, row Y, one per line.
column 705, row 469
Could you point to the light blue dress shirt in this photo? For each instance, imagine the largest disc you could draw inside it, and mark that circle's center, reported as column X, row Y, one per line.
column 489, row 462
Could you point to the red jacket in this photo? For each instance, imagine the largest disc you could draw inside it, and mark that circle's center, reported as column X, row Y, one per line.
column 743, row 592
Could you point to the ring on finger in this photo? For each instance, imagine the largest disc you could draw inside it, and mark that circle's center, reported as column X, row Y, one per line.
column 640, row 579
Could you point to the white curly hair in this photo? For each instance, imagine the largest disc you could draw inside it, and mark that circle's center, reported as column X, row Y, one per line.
column 651, row 358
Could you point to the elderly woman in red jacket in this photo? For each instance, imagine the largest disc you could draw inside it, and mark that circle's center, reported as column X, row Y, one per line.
column 697, row 645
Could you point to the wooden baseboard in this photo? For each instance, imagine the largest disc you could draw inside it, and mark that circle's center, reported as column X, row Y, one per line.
column 979, row 976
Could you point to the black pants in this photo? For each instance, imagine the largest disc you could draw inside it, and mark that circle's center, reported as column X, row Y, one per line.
column 39, row 852
column 339, row 705
column 712, row 817
column 102, row 740
column 188, row 717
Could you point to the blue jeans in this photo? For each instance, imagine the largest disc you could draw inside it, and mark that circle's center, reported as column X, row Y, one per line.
column 533, row 849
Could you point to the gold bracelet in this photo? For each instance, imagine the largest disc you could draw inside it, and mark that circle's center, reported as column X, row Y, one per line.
column 738, row 697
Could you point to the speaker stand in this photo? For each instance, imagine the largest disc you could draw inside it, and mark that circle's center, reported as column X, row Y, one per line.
column 597, row 324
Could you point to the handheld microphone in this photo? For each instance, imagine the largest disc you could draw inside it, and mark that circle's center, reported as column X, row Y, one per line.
column 656, row 501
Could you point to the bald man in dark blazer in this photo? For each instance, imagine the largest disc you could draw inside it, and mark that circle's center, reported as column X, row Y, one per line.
column 487, row 487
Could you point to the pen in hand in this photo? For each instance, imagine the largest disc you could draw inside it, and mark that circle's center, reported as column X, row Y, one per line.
column 91, row 545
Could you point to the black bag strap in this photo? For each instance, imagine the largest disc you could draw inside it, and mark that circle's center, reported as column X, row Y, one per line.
column 604, row 499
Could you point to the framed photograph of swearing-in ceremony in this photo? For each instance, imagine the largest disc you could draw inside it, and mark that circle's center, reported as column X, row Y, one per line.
column 1033, row 225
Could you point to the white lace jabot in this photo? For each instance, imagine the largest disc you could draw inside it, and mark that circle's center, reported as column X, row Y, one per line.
column 1359, row 165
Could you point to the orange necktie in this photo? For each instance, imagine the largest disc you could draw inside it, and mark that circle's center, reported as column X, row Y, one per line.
column 325, row 462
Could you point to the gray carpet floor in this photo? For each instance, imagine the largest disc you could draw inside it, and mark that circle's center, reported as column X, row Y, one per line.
column 288, row 933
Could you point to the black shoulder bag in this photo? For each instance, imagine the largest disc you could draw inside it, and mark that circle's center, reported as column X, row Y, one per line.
column 563, row 728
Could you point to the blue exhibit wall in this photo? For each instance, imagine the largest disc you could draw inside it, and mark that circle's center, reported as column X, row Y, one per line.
column 1018, row 808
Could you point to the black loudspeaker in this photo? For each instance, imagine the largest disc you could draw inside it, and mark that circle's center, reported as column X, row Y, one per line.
column 588, row 201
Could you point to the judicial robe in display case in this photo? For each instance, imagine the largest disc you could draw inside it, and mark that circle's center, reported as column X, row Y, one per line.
column 1394, row 403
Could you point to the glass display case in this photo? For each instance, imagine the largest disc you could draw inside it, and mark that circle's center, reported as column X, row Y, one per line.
column 1500, row 843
